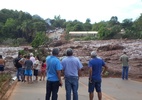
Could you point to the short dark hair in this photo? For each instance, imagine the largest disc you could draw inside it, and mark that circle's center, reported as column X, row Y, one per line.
column 124, row 52
column 28, row 56
column 0, row 56
column 69, row 52
column 37, row 57
column 55, row 51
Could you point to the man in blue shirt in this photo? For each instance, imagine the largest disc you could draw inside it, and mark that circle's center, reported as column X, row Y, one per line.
column 54, row 68
column 72, row 69
column 96, row 65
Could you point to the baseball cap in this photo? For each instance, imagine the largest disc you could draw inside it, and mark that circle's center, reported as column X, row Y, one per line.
column 93, row 53
column 31, row 54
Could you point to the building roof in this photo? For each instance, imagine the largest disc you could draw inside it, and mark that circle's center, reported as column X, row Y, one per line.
column 83, row 32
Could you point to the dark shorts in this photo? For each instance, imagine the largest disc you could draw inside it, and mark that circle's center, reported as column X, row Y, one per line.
column 35, row 72
column 1, row 67
column 94, row 85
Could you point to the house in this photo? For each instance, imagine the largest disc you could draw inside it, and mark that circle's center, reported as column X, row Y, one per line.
column 82, row 33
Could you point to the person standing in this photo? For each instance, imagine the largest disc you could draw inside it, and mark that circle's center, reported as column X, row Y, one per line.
column 2, row 64
column 95, row 65
column 43, row 70
column 18, row 66
column 28, row 69
column 22, row 61
column 32, row 58
column 37, row 66
column 72, row 70
column 54, row 68
column 125, row 66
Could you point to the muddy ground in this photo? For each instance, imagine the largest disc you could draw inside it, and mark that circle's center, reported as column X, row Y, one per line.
column 109, row 50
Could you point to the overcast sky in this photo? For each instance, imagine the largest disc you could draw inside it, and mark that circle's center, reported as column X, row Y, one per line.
column 96, row 10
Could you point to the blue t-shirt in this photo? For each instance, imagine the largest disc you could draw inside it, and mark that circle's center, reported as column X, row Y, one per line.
column 96, row 64
column 53, row 65
column 71, row 65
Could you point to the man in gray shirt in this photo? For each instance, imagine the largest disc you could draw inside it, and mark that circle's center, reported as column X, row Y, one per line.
column 125, row 67
column 71, row 68
column 28, row 69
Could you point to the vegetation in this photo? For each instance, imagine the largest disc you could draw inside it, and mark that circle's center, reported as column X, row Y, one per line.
column 18, row 27
column 4, row 77
column 39, row 39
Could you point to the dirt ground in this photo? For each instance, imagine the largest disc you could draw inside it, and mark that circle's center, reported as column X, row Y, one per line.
column 110, row 51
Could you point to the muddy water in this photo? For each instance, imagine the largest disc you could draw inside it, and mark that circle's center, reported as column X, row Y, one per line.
column 9, row 51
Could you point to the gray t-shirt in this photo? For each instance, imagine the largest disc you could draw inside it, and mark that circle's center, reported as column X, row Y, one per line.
column 28, row 64
column 124, row 59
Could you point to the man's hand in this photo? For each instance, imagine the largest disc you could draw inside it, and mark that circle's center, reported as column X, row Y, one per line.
column 90, row 80
column 60, row 83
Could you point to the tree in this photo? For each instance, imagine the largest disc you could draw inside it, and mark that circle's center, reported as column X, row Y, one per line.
column 113, row 21
column 87, row 26
column 88, row 20
column 127, row 23
column 39, row 39
column 99, row 25
column 9, row 29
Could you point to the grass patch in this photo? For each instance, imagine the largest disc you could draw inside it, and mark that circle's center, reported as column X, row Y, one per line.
column 4, row 83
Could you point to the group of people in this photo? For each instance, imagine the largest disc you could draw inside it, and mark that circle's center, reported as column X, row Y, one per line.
column 71, row 67
column 28, row 66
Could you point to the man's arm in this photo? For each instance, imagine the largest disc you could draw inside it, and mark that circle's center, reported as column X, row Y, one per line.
column 104, row 70
column 90, row 74
column 21, row 61
column 79, row 73
column 59, row 76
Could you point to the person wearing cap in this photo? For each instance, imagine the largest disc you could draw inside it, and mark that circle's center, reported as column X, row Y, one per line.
column 54, row 68
column 125, row 66
column 32, row 58
column 95, row 65
column 72, row 69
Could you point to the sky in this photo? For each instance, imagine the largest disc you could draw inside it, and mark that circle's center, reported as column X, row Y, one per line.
column 95, row 10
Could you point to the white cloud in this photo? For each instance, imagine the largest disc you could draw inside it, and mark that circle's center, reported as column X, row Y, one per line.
column 96, row 10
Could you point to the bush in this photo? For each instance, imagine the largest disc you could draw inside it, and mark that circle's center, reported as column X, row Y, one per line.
column 89, row 38
column 39, row 39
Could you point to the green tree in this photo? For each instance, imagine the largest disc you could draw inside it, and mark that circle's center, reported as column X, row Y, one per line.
column 127, row 23
column 9, row 29
column 39, row 39
column 99, row 25
column 87, row 25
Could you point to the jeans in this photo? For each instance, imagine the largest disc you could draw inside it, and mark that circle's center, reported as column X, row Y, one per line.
column 19, row 73
column 23, row 74
column 71, row 83
column 52, row 87
column 125, row 72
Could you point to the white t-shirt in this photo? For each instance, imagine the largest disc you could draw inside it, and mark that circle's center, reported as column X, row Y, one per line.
column 32, row 59
column 37, row 64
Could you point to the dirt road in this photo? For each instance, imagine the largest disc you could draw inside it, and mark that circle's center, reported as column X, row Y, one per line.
column 112, row 88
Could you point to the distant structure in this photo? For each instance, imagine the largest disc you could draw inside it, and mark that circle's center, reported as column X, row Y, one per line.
column 82, row 33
